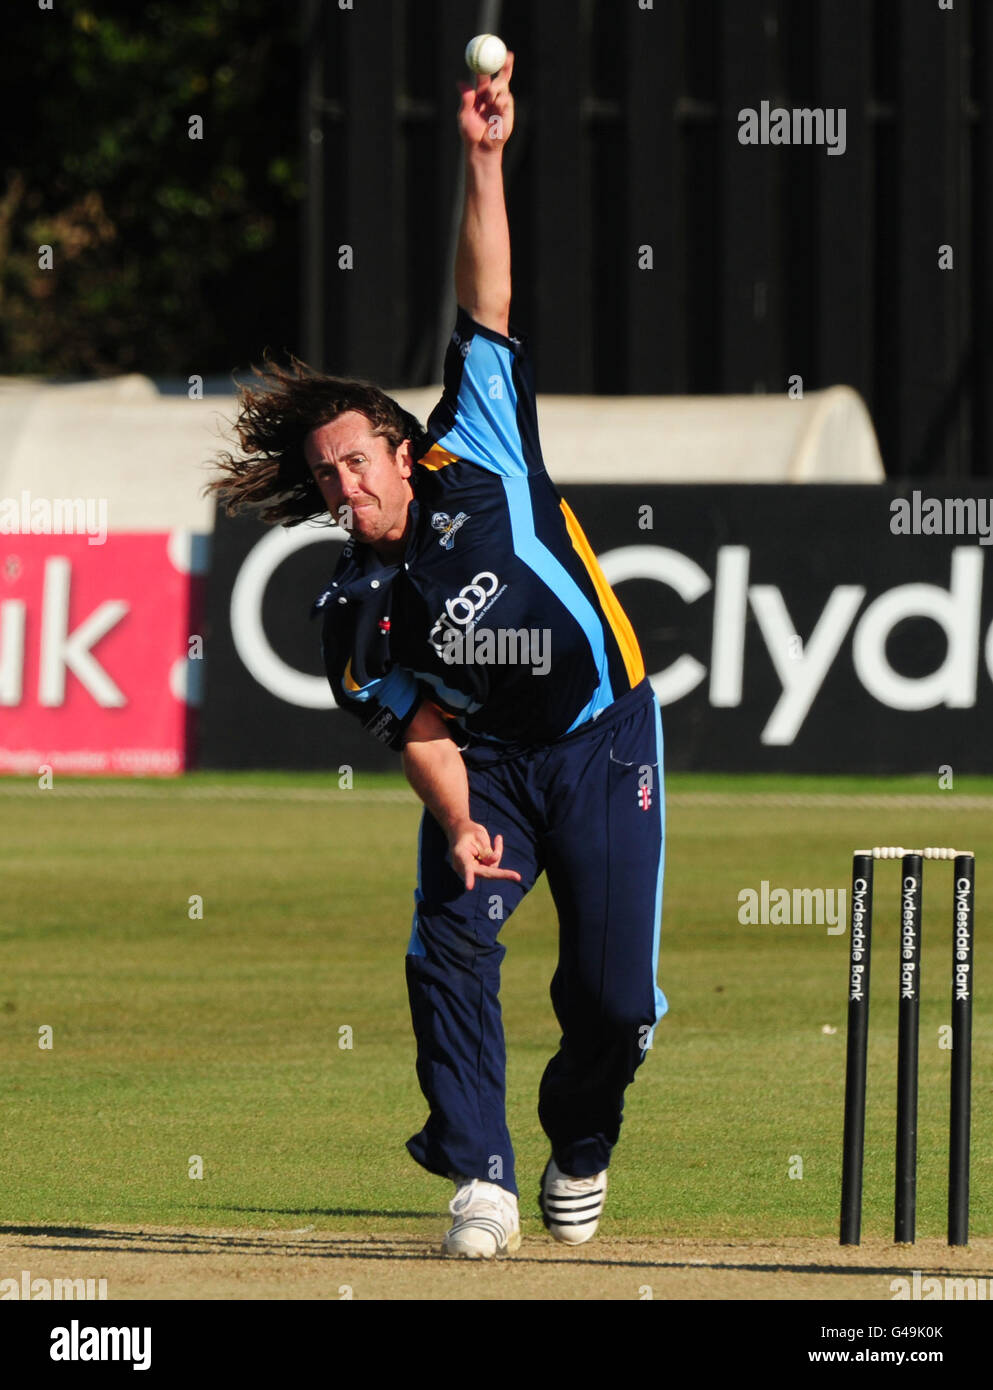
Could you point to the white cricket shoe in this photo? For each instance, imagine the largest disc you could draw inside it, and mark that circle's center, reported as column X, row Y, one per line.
column 571, row 1207
column 486, row 1221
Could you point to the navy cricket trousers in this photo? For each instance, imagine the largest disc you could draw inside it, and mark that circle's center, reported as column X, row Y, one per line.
column 588, row 810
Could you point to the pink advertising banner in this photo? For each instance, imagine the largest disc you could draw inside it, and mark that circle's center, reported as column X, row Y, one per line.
column 95, row 648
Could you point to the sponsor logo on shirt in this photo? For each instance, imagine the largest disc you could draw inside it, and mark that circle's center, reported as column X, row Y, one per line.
column 448, row 526
column 471, row 602
column 382, row 726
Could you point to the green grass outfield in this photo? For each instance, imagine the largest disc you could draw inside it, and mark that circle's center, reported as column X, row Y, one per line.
column 220, row 1037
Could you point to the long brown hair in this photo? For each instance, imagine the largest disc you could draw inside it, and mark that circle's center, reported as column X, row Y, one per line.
column 271, row 477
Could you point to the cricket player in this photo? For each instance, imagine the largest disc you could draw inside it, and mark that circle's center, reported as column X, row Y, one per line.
column 469, row 627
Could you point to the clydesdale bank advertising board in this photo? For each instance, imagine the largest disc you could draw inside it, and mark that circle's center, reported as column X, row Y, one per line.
column 801, row 628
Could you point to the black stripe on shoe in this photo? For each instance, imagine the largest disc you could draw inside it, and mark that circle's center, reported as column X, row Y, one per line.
column 482, row 1223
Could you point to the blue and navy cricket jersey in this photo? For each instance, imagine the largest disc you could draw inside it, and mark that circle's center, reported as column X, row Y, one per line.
column 498, row 613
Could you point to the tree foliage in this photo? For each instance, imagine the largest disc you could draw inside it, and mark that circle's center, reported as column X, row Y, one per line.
column 170, row 254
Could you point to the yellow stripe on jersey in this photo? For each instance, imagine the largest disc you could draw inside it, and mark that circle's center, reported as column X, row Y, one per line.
column 620, row 625
column 436, row 458
column 348, row 680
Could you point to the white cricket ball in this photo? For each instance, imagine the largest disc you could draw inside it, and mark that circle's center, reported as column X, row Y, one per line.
column 485, row 53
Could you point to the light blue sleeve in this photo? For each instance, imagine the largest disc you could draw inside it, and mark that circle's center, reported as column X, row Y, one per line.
column 487, row 400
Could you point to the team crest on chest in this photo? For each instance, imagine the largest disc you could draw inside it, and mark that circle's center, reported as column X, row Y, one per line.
column 447, row 525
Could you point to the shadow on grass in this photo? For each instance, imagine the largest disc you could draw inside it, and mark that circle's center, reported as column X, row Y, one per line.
column 337, row 1211
column 328, row 1246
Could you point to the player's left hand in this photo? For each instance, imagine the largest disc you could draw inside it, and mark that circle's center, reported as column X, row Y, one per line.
column 486, row 116
column 474, row 857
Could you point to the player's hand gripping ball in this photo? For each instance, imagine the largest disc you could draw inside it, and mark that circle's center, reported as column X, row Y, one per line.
column 485, row 53
column 486, row 111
